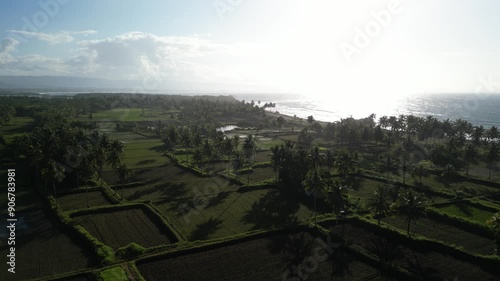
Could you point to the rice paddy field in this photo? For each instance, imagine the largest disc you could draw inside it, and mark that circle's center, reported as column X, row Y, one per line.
column 447, row 233
column 259, row 259
column 200, row 208
column 43, row 249
column 226, row 214
column 425, row 263
column 464, row 210
column 121, row 227
column 76, row 201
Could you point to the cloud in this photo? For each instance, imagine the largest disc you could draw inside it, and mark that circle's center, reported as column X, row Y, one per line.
column 161, row 61
column 53, row 38
column 8, row 46
column 139, row 54
column 83, row 32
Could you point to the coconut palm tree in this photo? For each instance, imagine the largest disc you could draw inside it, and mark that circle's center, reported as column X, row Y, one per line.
column 197, row 156
column 470, row 155
column 276, row 158
column 314, row 183
column 186, row 140
column 330, row 160
column 316, row 157
column 249, row 148
column 115, row 153
column 53, row 173
column 280, row 121
column 379, row 202
column 123, row 173
column 346, row 164
column 494, row 223
column 492, row 156
column 228, row 148
column 492, row 133
column 412, row 206
column 477, row 135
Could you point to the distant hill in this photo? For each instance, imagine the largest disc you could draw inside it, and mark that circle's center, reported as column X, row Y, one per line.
column 42, row 84
column 62, row 82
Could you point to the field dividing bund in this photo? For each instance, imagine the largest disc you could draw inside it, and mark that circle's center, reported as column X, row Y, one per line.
column 78, row 200
column 119, row 226
column 258, row 258
column 42, row 249
column 231, row 213
column 417, row 257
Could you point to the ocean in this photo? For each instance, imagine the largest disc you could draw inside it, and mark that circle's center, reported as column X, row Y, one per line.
column 478, row 109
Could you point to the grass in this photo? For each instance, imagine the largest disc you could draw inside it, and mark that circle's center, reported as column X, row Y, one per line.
column 462, row 209
column 17, row 126
column 120, row 228
column 140, row 151
column 113, row 274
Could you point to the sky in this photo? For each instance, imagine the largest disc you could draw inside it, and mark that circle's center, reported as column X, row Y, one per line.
column 317, row 47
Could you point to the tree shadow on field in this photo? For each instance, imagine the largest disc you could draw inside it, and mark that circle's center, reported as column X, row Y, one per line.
column 413, row 260
column 145, row 162
column 216, row 200
column 159, row 148
column 356, row 183
column 172, row 189
column 272, row 210
column 205, row 229
column 167, row 189
column 464, row 208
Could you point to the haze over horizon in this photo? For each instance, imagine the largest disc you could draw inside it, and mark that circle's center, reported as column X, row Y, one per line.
column 358, row 48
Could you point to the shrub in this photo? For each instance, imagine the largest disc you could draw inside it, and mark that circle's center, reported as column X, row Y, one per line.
column 130, row 251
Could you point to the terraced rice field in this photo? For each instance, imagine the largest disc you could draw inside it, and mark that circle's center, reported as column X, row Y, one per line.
column 260, row 174
column 169, row 182
column 259, row 259
column 39, row 249
column 79, row 200
column 468, row 211
column 120, row 228
column 423, row 262
column 447, row 233
column 215, row 216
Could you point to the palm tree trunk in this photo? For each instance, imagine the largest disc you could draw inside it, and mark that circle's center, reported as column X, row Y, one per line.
column 228, row 165
column 54, row 189
column 315, row 209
